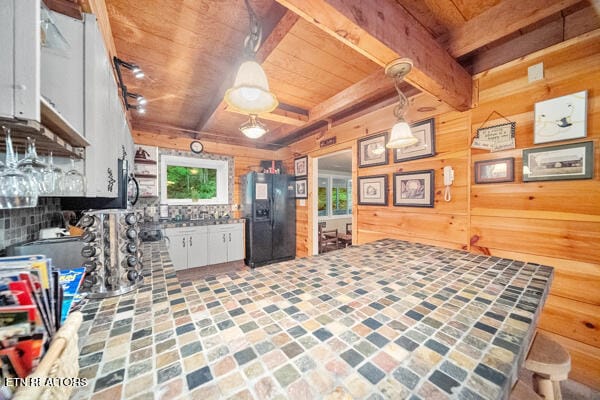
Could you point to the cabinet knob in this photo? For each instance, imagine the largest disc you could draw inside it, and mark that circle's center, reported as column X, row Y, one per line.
column 223, row 238
column 183, row 242
column 190, row 241
column 230, row 237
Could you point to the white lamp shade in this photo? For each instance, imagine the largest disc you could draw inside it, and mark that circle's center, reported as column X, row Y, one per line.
column 401, row 136
column 253, row 128
column 250, row 92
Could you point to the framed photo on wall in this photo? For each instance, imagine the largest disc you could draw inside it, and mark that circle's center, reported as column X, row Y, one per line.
column 495, row 171
column 561, row 118
column 372, row 150
column 301, row 166
column 565, row 162
column 301, row 188
column 424, row 131
column 372, row 190
column 414, row 189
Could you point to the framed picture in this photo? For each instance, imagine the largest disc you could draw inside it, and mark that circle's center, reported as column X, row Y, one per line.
column 414, row 189
column 425, row 147
column 301, row 188
column 301, row 166
column 372, row 190
column 372, row 150
column 494, row 171
column 565, row 162
column 561, row 118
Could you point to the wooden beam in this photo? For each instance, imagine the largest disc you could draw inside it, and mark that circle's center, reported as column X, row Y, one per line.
column 501, row 20
column 276, row 32
column 383, row 31
column 278, row 115
column 66, row 7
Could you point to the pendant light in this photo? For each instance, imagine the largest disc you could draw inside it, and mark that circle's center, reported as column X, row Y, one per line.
column 253, row 128
column 250, row 93
column 401, row 135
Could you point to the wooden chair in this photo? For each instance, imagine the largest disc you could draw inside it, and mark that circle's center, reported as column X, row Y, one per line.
column 328, row 240
column 550, row 364
column 523, row 392
column 349, row 229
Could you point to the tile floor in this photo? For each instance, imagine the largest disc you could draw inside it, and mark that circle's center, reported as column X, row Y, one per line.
column 384, row 320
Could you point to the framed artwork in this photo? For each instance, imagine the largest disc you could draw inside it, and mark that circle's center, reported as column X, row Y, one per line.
column 301, row 188
column 301, row 166
column 565, row 162
column 414, row 189
column 494, row 171
column 561, row 118
column 424, row 131
column 372, row 190
column 372, row 150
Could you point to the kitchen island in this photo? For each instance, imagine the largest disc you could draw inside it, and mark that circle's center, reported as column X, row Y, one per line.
column 388, row 319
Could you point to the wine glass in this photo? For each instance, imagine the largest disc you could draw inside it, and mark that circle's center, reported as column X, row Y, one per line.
column 52, row 177
column 74, row 181
column 17, row 189
column 33, row 166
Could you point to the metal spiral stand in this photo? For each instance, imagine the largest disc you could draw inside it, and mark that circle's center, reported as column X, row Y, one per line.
column 112, row 250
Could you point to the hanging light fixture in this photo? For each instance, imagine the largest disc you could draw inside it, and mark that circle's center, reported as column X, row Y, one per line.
column 250, row 93
column 253, row 128
column 401, row 135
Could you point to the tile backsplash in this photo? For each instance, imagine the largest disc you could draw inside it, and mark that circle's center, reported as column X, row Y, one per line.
column 24, row 224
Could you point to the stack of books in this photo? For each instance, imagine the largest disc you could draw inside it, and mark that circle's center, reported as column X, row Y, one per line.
column 35, row 299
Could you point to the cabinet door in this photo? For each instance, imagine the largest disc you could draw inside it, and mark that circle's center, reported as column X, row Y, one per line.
column 235, row 237
column 197, row 249
column 62, row 72
column 178, row 251
column 217, row 246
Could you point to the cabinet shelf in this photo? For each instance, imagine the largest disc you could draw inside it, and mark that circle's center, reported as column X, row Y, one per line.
column 143, row 161
column 145, row 176
column 46, row 140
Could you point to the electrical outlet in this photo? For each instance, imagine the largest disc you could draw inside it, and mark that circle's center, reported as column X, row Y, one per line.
column 535, row 72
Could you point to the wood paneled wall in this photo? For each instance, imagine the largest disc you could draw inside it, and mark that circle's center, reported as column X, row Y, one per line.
column 554, row 223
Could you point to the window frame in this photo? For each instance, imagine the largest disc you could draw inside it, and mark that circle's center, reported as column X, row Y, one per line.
column 221, row 166
column 330, row 178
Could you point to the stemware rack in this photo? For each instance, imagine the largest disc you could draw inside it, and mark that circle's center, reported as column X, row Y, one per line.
column 52, row 135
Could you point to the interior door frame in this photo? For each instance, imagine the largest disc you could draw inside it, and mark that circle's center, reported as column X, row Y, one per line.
column 313, row 205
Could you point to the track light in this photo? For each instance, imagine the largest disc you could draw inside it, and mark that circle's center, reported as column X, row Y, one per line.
column 138, row 73
column 134, row 68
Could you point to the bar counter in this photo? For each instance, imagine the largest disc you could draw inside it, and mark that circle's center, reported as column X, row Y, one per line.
column 384, row 320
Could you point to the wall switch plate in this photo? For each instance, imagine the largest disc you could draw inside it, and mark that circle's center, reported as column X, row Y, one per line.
column 535, row 72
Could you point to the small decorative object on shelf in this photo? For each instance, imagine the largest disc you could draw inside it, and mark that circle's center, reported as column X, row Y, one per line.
column 146, row 170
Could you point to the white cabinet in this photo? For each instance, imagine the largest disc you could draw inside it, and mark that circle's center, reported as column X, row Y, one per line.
column 225, row 243
column 102, row 112
column 61, row 72
column 205, row 245
column 188, row 246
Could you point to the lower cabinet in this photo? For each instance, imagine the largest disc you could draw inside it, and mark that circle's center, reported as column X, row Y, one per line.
column 205, row 245
column 188, row 246
column 226, row 243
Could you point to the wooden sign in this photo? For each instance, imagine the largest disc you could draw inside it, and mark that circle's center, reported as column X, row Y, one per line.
column 327, row 142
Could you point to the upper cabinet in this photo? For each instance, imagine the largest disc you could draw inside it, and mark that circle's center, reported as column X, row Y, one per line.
column 37, row 101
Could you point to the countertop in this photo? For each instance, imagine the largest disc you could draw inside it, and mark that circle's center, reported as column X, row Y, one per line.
column 190, row 222
column 388, row 319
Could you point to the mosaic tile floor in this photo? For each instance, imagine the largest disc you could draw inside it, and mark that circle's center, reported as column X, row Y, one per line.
column 385, row 320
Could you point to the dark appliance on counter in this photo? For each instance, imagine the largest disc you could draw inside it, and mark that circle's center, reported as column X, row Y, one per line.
column 112, row 253
column 127, row 194
column 269, row 206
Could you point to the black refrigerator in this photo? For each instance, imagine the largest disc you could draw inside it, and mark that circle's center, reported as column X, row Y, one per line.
column 269, row 206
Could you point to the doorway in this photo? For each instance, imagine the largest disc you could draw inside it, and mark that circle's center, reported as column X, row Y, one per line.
column 333, row 202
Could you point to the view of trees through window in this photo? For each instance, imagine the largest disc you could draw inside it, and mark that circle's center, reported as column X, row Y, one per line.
column 191, row 183
column 335, row 196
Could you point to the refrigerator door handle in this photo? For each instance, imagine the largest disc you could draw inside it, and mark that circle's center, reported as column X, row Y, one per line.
column 272, row 211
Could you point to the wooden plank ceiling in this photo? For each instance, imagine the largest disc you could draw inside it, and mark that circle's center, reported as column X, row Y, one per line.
column 323, row 58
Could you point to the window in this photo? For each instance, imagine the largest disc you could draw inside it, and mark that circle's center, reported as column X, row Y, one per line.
column 193, row 181
column 335, row 196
